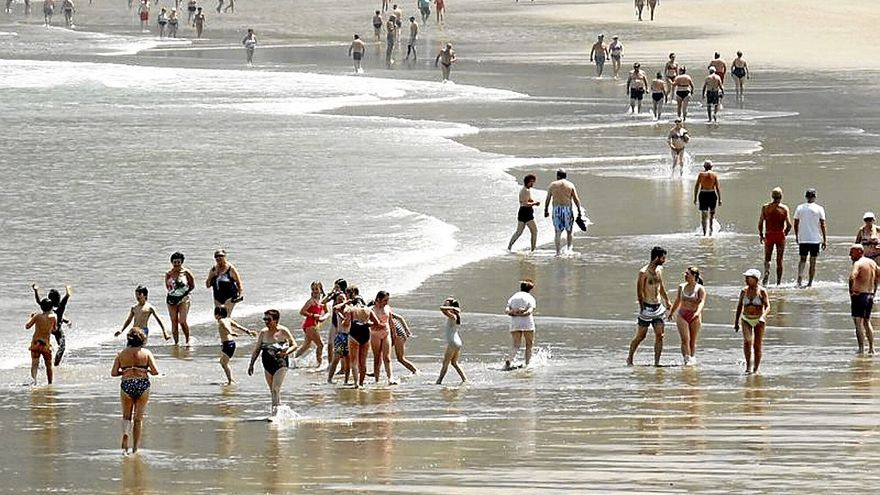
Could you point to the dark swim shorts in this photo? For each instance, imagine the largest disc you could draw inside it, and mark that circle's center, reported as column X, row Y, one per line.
column 862, row 303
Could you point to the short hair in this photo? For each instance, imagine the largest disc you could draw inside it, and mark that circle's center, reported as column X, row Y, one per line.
column 221, row 311
column 682, row 69
column 659, row 75
column 177, row 256
column 776, row 193
column 357, row 37
column 657, row 252
column 273, row 313
column 135, row 338
column 810, row 193
column 707, row 165
column 46, row 304
column 561, row 173
column 54, row 296
column 142, row 290
column 717, row 55
column 529, row 177
column 672, row 55
column 739, row 54
column 526, row 285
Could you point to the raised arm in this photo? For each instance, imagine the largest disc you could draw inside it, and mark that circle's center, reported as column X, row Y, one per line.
column 36, row 293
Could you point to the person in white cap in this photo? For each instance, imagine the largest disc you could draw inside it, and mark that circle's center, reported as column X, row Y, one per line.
column 809, row 223
column 751, row 313
column 863, row 280
column 616, row 51
column 869, row 237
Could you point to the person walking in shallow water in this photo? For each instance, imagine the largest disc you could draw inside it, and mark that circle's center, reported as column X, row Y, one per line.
column 598, row 54
column 751, row 313
column 134, row 364
column 43, row 324
column 707, row 196
column 59, row 305
column 356, row 51
column 740, row 72
column 446, row 58
column 250, row 43
column 180, row 282
column 199, row 22
column 687, row 311
column 521, row 309
column 677, row 140
column 776, row 220
column 810, row 233
column 452, row 311
column 653, row 301
column 274, row 344
column 863, row 281
column 525, row 216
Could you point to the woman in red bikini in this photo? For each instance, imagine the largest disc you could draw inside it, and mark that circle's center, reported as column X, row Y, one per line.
column 315, row 313
column 687, row 310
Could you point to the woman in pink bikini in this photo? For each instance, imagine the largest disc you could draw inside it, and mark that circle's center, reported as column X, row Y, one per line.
column 380, row 336
column 687, row 310
column 315, row 313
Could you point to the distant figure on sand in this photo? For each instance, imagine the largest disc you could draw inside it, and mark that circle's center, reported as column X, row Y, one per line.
column 446, row 58
column 226, row 327
column 707, row 196
column 68, row 9
column 452, row 311
column 598, row 53
column 636, row 85
column 274, row 343
column 562, row 193
column 199, row 22
column 356, row 51
column 48, row 11
column 869, row 237
column 616, row 51
column 377, row 25
column 659, row 95
column 640, row 6
column 180, row 282
column 525, row 216
column 684, row 88
column 59, row 305
column 775, row 220
column 140, row 313
column 413, row 35
column 225, row 282
column 751, row 312
column 653, row 302
column 677, row 140
column 687, row 311
column 440, row 8
column 740, row 71
column 521, row 309
column 863, row 281
column 144, row 14
column 810, row 233
column 250, row 43
column 652, row 4
column 391, row 33
column 44, row 324
column 713, row 91
column 135, row 365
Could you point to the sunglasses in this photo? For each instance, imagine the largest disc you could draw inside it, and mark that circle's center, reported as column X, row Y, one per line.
column 267, row 319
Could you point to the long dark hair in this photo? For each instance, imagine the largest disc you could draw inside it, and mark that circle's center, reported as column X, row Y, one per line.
column 451, row 301
column 696, row 273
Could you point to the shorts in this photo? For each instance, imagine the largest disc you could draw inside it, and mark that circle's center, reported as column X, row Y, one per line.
column 657, row 96
column 809, row 248
column 42, row 349
column 525, row 214
column 862, row 304
column 683, row 93
column 357, row 55
column 712, row 97
column 637, row 93
column 707, row 200
column 774, row 238
column 651, row 314
column 600, row 61
column 228, row 348
column 163, row 23
column 563, row 218
column 340, row 344
column 191, row 9
column 739, row 72
column 145, row 16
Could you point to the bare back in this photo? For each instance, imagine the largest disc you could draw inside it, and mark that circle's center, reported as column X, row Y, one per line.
column 44, row 325
column 562, row 192
column 864, row 276
column 775, row 217
column 708, row 181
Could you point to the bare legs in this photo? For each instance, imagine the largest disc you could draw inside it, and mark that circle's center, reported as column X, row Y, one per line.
column 682, row 108
column 357, row 355
column 688, row 333
column 516, row 341
column 132, row 420
column 35, row 366
column 451, row 357
column 558, row 241
column 275, row 382
column 224, row 363
column 400, row 352
column 708, row 221
column 768, row 254
column 753, row 344
column 178, row 314
column 801, row 265
column 312, row 335
column 641, row 333
column 864, row 330
column 520, row 226
column 678, row 160
column 381, row 347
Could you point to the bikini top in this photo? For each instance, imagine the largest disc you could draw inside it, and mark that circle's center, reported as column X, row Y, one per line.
column 694, row 296
column 145, row 367
column 753, row 301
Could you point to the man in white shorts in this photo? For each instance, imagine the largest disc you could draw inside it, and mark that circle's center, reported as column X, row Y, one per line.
column 521, row 309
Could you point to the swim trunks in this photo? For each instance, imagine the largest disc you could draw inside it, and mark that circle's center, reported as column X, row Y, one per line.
column 683, row 93
column 657, row 95
column 637, row 93
column 600, row 59
column 739, row 72
column 712, row 97
column 145, row 15
column 42, row 349
column 651, row 314
column 357, row 55
column 563, row 218
column 340, row 344
column 809, row 248
column 862, row 304
column 707, row 200
column 228, row 348
column 525, row 214
column 775, row 238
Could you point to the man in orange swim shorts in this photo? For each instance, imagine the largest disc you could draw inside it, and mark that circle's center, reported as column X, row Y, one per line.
column 776, row 222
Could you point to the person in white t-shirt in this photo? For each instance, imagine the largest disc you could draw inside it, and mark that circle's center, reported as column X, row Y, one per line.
column 810, row 233
column 521, row 309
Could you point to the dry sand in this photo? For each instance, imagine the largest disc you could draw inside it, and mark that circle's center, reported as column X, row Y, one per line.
column 814, row 34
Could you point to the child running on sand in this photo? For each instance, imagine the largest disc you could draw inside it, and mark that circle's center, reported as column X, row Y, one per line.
column 226, row 327
column 452, row 311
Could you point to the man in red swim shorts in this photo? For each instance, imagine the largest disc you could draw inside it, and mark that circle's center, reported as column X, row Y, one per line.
column 776, row 222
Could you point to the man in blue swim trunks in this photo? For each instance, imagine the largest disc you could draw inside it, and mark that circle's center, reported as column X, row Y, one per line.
column 562, row 193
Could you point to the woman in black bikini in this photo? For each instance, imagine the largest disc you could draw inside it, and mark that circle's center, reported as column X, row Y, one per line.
column 740, row 71
column 358, row 320
column 134, row 364
column 274, row 344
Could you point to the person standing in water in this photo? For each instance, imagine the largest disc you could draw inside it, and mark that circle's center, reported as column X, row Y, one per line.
column 720, row 66
column 653, row 302
column 199, row 22
column 440, row 8
column 652, row 4
column 809, row 223
column 380, row 336
column 684, row 88
column 598, row 54
column 191, row 7
column 230, row 7
column 226, row 327
column 659, row 95
column 180, row 282
column 740, row 72
column 687, row 311
column 400, row 333
column 615, row 49
column 525, row 216
column 452, row 311
column 358, row 320
column 671, row 72
column 863, row 280
column 48, row 11
column 59, row 305
column 140, row 313
column 135, row 365
column 677, row 140
column 356, row 51
column 413, row 35
column 713, row 91
column 274, row 344
column 44, row 324
column 521, row 309
column 377, row 25
column 391, row 34
column 562, row 193
column 144, row 15
column 869, row 237
column 225, row 282
column 173, row 22
column 68, row 9
column 636, row 85
column 250, row 43
column 338, row 349
column 315, row 313
column 425, row 10
column 751, row 312
column 446, row 58
column 777, row 222
column 640, row 6
column 162, row 21
column 707, row 196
